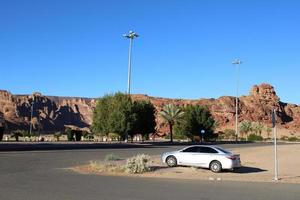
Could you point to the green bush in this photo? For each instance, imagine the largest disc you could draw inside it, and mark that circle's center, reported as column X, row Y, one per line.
column 211, row 138
column 284, row 138
column 137, row 164
column 253, row 137
column 229, row 134
column 88, row 136
column 112, row 157
column 293, row 139
column 177, row 137
column 114, row 136
column 57, row 135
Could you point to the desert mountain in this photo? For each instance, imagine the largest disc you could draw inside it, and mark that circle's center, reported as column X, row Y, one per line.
column 51, row 113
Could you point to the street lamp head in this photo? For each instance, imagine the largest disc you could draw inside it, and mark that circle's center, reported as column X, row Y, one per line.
column 237, row 62
column 131, row 35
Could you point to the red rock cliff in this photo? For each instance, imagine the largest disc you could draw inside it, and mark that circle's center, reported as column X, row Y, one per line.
column 52, row 113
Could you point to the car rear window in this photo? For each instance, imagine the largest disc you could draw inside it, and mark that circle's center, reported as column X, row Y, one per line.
column 223, row 150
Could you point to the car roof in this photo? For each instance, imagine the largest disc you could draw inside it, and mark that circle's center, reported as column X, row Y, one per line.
column 201, row 145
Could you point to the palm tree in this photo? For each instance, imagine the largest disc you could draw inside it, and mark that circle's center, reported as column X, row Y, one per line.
column 171, row 114
column 258, row 128
column 246, row 127
column 268, row 130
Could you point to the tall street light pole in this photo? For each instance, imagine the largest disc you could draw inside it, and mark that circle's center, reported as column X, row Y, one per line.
column 131, row 35
column 237, row 63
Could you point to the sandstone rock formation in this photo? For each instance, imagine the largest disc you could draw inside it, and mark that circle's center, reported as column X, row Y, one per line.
column 256, row 107
column 48, row 114
column 52, row 113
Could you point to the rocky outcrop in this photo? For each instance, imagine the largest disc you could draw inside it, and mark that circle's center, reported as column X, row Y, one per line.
column 256, row 107
column 48, row 113
column 53, row 113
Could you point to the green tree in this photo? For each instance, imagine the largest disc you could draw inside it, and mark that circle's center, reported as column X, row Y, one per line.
column 114, row 114
column 122, row 117
column 171, row 115
column 197, row 118
column 101, row 115
column 246, row 127
column 145, row 119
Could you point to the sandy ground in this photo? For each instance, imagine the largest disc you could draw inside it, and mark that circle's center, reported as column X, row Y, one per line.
column 258, row 166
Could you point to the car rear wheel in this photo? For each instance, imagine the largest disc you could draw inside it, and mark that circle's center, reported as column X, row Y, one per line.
column 171, row 161
column 215, row 166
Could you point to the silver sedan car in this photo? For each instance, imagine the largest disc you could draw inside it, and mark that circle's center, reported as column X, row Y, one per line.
column 212, row 157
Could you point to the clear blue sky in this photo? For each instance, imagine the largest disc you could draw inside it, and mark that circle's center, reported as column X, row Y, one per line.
column 185, row 48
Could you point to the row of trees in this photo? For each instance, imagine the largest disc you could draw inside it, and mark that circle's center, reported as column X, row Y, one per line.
column 191, row 121
column 255, row 128
column 120, row 115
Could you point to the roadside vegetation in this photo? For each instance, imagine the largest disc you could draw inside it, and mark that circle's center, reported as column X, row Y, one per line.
column 138, row 164
column 117, row 117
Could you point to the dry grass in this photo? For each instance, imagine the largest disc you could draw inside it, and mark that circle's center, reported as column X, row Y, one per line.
column 104, row 167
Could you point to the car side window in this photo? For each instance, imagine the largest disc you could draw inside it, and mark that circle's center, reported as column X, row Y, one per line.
column 191, row 149
column 206, row 150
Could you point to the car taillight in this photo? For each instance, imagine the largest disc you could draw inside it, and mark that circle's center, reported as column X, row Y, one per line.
column 231, row 157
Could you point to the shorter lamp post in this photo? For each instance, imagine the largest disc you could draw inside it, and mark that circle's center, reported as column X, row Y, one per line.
column 202, row 135
column 237, row 62
column 31, row 115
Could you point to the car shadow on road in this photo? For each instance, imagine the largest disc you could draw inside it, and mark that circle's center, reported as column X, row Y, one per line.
column 156, row 168
column 248, row 170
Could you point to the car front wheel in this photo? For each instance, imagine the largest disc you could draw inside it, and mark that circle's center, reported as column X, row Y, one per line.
column 215, row 166
column 171, row 161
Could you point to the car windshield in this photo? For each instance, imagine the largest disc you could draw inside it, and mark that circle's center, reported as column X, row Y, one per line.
column 223, row 150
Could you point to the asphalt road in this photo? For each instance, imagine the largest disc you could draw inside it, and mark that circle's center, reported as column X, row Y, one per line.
column 34, row 146
column 42, row 175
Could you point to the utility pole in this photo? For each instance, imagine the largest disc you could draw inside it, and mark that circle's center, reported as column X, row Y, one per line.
column 237, row 63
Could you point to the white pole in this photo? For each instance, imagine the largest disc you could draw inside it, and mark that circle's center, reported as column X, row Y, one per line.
column 237, row 62
column 237, row 103
column 129, row 65
column 275, row 147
